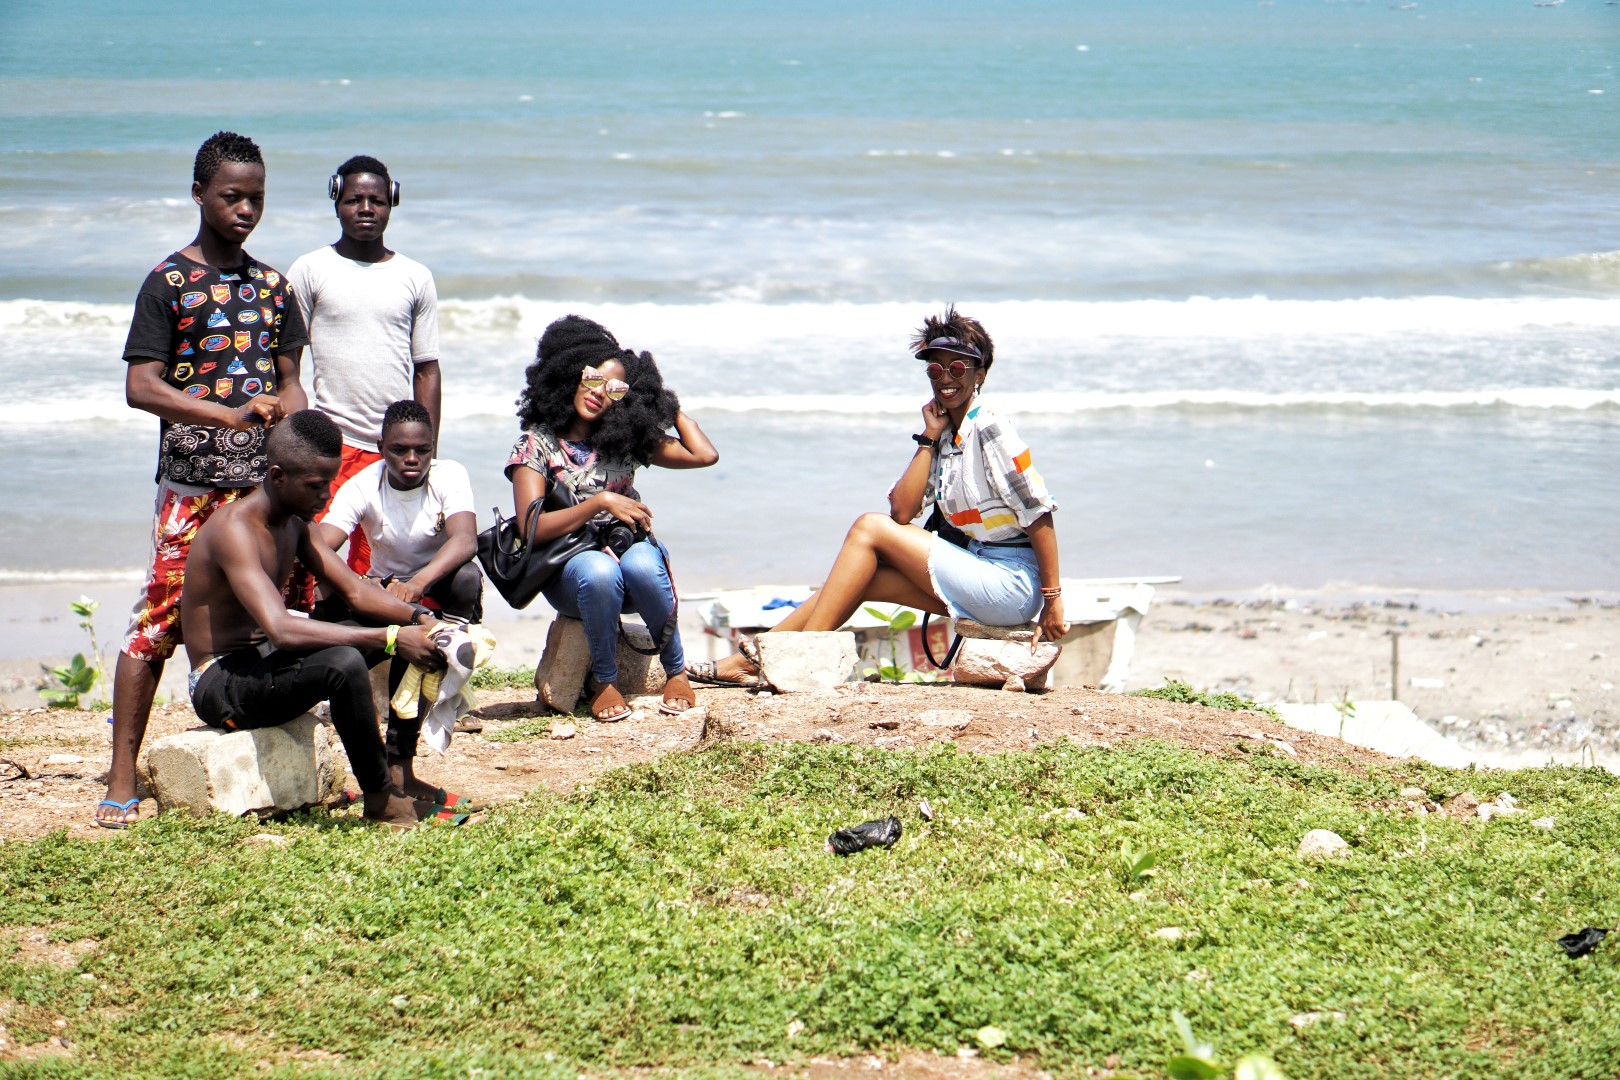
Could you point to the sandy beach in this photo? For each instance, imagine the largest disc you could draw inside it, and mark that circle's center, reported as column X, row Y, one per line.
column 1529, row 677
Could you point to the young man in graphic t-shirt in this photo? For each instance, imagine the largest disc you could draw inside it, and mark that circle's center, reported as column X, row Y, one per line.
column 213, row 352
column 373, row 318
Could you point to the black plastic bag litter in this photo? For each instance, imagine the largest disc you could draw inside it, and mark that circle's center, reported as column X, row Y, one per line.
column 868, row 834
column 1578, row 945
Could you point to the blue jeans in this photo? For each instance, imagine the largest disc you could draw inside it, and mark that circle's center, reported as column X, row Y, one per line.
column 596, row 589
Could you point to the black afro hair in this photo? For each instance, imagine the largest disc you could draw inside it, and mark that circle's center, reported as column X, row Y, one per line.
column 632, row 429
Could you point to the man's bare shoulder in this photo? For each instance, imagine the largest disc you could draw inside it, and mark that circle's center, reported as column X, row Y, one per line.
column 232, row 518
column 235, row 528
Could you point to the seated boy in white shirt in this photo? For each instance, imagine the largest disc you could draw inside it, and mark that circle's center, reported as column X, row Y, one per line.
column 417, row 514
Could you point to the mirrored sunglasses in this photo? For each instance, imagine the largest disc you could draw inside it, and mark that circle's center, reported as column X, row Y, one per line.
column 614, row 389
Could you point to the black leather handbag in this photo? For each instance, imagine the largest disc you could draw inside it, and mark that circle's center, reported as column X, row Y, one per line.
column 517, row 566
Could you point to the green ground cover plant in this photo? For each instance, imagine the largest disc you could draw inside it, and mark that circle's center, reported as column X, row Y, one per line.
column 14, row 742
column 522, row 731
column 502, row 678
column 684, row 913
column 79, row 677
column 1175, row 690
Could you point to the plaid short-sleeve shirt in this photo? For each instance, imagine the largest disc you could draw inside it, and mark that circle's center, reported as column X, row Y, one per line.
column 985, row 480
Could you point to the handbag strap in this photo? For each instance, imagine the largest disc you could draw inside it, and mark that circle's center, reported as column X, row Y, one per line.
column 557, row 497
column 950, row 653
column 670, row 624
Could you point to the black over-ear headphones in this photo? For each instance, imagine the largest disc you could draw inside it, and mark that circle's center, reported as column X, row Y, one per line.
column 334, row 189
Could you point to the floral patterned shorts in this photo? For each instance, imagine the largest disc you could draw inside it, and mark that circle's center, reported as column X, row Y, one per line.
column 180, row 510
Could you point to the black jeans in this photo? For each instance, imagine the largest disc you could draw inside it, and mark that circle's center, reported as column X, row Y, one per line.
column 247, row 689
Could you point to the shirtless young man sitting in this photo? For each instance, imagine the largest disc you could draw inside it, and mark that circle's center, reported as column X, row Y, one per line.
column 253, row 664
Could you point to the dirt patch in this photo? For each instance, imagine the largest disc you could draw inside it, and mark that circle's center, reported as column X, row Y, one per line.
column 32, row 1018
column 993, row 721
column 53, row 1047
column 35, row 945
column 62, row 755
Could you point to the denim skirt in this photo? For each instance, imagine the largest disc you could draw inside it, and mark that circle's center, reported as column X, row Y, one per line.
column 992, row 584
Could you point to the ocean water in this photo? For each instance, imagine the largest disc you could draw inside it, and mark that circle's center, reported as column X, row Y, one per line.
column 1294, row 293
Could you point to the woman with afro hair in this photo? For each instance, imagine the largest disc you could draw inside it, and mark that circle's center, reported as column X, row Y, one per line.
column 592, row 413
column 994, row 558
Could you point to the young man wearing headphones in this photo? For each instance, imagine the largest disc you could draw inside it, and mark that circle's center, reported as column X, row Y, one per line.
column 373, row 318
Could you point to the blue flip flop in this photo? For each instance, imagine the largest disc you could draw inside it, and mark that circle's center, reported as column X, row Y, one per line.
column 124, row 806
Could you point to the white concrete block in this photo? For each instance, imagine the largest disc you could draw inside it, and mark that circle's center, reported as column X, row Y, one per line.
column 1004, row 662
column 267, row 770
column 1389, row 727
column 798, row 661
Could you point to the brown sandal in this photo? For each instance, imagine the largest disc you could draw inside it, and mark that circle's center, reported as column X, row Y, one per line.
column 607, row 705
column 677, row 688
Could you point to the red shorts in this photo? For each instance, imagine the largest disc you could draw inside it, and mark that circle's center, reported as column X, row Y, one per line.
column 154, row 627
column 359, row 547
column 301, row 589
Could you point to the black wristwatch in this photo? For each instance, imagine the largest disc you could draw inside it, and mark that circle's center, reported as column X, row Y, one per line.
column 923, row 440
column 419, row 610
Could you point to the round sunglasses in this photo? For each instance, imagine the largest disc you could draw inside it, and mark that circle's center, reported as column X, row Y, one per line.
column 956, row 368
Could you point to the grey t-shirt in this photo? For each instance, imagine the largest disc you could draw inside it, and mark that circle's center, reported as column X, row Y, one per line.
column 369, row 324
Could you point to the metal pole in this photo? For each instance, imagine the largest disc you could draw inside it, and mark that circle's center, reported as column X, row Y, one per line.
column 1394, row 665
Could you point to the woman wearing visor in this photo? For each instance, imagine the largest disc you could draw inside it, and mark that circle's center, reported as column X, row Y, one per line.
column 970, row 466
column 593, row 412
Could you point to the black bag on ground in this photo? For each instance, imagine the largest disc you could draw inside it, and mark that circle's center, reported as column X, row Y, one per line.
column 517, row 566
column 868, row 834
column 1581, row 942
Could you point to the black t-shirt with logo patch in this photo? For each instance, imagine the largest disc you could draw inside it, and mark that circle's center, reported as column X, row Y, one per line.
column 217, row 333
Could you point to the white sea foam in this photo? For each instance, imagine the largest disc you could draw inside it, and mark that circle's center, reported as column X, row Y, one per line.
column 51, row 315
column 1253, row 353
column 57, row 577
column 465, row 406
column 743, row 321
column 739, row 321
column 1598, row 268
column 1058, row 403
column 99, row 410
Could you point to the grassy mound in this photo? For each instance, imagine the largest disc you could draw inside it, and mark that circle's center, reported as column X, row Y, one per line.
column 685, row 913
column 1175, row 690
